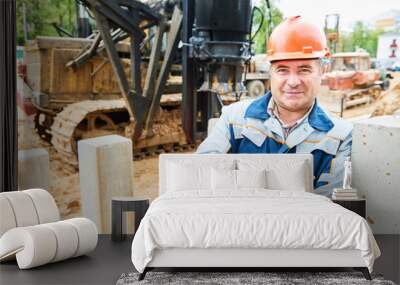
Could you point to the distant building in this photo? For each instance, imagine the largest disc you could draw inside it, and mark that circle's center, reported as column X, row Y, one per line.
column 388, row 53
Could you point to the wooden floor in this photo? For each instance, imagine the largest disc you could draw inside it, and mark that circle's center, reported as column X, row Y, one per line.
column 111, row 259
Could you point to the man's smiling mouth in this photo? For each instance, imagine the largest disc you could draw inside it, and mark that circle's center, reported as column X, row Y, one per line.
column 293, row 92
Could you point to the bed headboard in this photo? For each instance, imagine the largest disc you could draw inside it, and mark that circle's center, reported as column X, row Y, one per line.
column 272, row 160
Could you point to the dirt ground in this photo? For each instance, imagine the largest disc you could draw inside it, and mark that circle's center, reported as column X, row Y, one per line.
column 64, row 179
column 387, row 102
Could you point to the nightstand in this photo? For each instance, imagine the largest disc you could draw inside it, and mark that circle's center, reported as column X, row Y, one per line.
column 357, row 205
column 126, row 204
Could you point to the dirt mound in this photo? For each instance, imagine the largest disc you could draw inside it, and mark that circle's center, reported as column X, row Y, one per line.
column 64, row 178
column 389, row 101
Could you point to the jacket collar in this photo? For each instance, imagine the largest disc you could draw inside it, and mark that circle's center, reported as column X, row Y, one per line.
column 317, row 118
column 258, row 108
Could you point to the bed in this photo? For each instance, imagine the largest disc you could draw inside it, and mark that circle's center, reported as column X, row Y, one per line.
column 247, row 210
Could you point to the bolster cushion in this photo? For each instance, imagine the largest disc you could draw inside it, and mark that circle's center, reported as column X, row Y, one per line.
column 40, row 244
column 26, row 208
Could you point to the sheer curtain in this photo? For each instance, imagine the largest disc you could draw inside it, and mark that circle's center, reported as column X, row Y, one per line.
column 8, row 111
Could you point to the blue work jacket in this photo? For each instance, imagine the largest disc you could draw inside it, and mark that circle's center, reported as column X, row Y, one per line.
column 247, row 127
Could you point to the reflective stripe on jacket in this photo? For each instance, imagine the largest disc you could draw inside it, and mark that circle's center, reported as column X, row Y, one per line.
column 246, row 127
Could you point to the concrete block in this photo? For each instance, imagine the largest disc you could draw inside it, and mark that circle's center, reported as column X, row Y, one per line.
column 105, row 170
column 376, row 170
column 33, row 169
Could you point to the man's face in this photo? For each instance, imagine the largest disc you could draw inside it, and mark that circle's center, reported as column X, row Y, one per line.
column 295, row 83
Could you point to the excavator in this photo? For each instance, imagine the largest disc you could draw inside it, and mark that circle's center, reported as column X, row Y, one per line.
column 138, row 47
column 350, row 81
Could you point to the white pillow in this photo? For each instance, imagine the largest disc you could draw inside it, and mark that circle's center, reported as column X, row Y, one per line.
column 182, row 177
column 251, row 178
column 223, row 179
column 186, row 175
column 230, row 180
column 291, row 175
column 294, row 180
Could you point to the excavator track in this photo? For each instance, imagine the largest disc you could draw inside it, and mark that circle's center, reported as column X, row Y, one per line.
column 67, row 121
column 92, row 118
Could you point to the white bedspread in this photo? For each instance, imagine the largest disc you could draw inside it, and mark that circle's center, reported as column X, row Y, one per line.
column 250, row 219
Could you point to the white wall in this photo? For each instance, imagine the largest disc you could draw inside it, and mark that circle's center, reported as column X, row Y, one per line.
column 376, row 170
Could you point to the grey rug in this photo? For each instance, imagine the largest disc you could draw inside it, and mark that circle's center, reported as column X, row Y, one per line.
column 269, row 278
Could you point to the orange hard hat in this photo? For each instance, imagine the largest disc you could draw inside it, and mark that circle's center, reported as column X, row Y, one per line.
column 295, row 38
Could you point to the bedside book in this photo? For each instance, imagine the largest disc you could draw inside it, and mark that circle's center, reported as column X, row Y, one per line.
column 344, row 194
column 355, row 197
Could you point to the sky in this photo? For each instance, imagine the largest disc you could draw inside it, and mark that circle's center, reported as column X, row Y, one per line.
column 350, row 10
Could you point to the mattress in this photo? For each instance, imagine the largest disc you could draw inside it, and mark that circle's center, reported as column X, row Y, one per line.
column 251, row 219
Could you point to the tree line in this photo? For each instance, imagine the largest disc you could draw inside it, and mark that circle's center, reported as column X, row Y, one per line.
column 46, row 17
column 360, row 37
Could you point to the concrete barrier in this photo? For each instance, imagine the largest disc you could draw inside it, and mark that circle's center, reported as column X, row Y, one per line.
column 105, row 170
column 376, row 170
column 33, row 169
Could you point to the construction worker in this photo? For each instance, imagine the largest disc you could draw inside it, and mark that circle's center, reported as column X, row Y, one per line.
column 288, row 119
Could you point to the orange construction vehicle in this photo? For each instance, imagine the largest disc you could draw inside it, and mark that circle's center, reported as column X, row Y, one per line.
column 352, row 80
